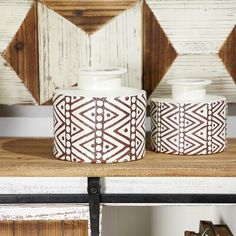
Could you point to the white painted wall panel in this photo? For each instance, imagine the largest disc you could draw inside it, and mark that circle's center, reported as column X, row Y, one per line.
column 119, row 43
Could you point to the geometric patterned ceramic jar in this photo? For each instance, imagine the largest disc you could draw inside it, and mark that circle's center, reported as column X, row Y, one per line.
column 101, row 122
column 190, row 123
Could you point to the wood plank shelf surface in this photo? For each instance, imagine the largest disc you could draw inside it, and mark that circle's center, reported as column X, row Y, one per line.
column 33, row 157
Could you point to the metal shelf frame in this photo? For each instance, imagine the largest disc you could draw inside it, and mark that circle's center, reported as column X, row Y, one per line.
column 94, row 198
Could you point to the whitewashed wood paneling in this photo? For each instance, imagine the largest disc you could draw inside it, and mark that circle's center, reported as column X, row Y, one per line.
column 172, row 185
column 43, row 185
column 195, row 26
column 129, row 185
column 12, row 14
column 197, row 30
column 205, row 66
column 44, row 212
column 63, row 48
column 12, row 90
column 119, row 43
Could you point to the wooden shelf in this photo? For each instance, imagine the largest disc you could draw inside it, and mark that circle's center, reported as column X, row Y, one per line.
column 33, row 157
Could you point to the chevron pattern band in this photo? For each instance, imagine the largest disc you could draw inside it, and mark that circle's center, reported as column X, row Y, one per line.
column 99, row 130
column 188, row 128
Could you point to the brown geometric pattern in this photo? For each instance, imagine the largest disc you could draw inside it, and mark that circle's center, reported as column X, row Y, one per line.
column 89, row 15
column 228, row 53
column 99, row 130
column 159, row 54
column 22, row 53
column 188, row 128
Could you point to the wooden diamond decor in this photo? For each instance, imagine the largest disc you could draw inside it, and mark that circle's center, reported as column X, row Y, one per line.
column 228, row 53
column 18, row 52
column 89, row 15
column 159, row 53
column 22, row 53
column 197, row 30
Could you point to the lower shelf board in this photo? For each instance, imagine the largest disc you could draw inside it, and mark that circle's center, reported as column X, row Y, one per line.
column 44, row 228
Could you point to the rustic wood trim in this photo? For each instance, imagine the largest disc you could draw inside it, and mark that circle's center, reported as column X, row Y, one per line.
column 33, row 157
column 89, row 15
column 22, row 52
column 227, row 53
column 42, row 228
column 159, row 54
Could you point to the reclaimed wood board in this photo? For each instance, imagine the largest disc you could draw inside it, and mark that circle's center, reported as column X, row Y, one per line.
column 22, row 52
column 197, row 30
column 12, row 87
column 64, row 47
column 89, row 15
column 33, row 157
column 44, row 228
column 156, row 40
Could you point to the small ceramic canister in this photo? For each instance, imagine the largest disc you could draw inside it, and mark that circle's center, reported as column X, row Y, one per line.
column 101, row 121
column 189, row 123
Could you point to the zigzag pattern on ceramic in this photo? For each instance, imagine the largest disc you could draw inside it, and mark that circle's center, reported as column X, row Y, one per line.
column 190, row 128
column 99, row 130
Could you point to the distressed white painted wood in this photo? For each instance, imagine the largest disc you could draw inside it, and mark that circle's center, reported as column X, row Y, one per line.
column 197, row 30
column 63, row 48
column 43, row 185
column 157, row 185
column 44, row 212
column 119, row 43
column 204, row 66
column 129, row 185
column 12, row 90
column 12, row 14
column 195, row 26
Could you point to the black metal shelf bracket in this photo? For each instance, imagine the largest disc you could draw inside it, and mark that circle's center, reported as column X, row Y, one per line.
column 94, row 204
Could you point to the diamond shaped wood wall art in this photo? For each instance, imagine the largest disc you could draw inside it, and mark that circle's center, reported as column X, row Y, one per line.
column 228, row 53
column 66, row 47
column 18, row 52
column 197, row 31
column 89, row 15
column 155, row 40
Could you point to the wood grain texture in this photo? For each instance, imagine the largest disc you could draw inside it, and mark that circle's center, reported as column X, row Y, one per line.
column 63, row 48
column 228, row 53
column 195, row 67
column 75, row 228
column 222, row 230
column 197, row 30
column 22, row 53
column 12, row 89
column 25, row 228
column 54, row 228
column 119, row 43
column 44, row 228
column 6, row 228
column 33, row 157
column 89, row 15
column 159, row 53
column 44, row 212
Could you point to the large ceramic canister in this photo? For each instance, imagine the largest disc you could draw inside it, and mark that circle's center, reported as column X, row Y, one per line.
column 100, row 121
column 190, row 122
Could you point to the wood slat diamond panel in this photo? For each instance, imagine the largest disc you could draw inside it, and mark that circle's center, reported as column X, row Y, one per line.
column 89, row 15
column 228, row 53
column 22, row 53
column 159, row 53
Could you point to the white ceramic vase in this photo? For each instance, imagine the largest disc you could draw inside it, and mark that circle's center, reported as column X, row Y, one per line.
column 189, row 123
column 100, row 121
